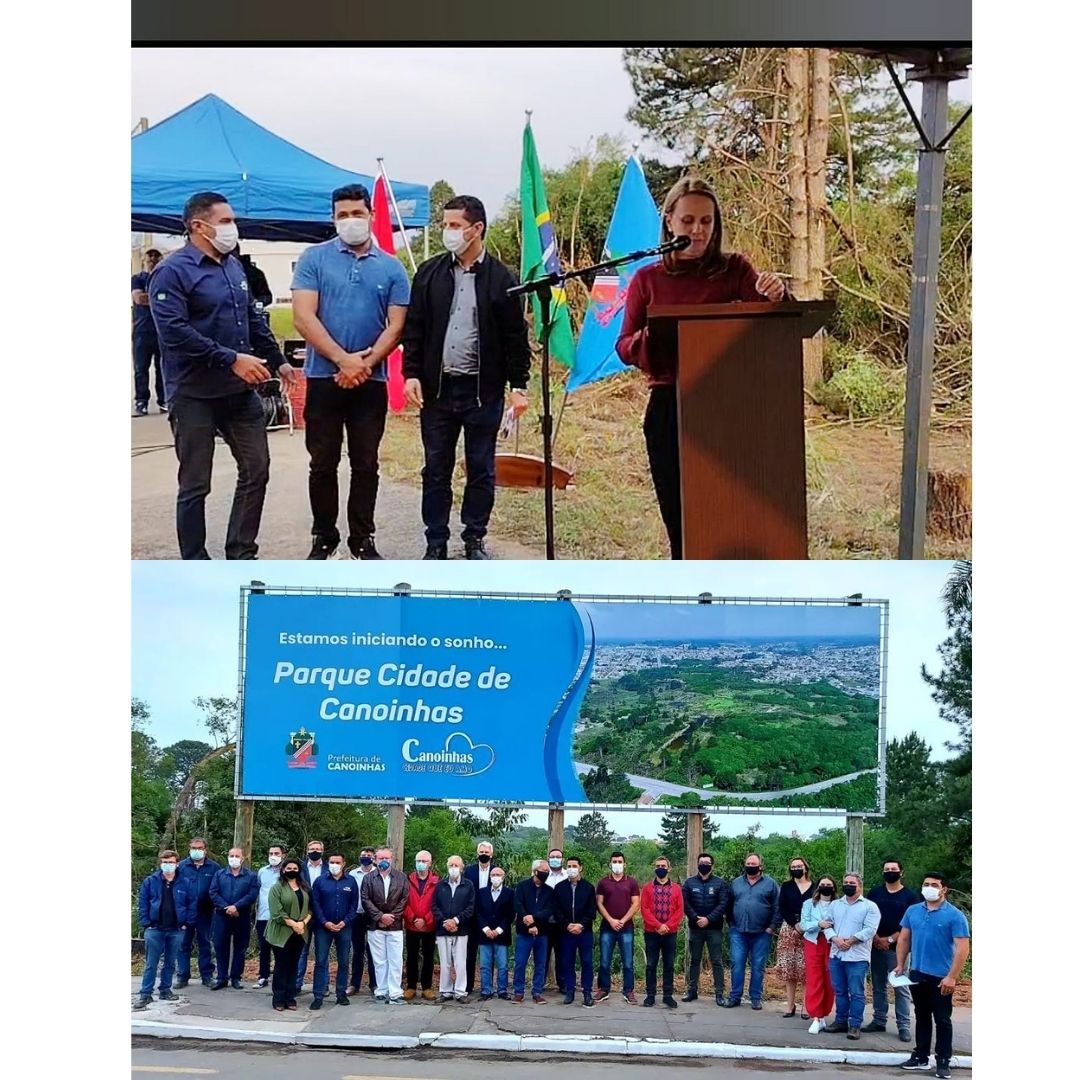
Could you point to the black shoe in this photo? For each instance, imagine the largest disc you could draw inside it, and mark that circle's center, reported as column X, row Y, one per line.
column 943, row 1071
column 208, row 981
column 144, row 1000
column 140, row 409
column 568, row 999
column 343, row 999
column 835, row 1029
column 853, row 1033
column 322, row 549
column 756, row 1006
column 587, row 1001
column 732, row 1003
column 670, row 1002
column 720, row 1002
column 219, row 986
column 167, row 995
column 435, row 551
column 179, row 984
column 236, row 984
column 649, row 1001
column 916, row 1064
column 316, row 1003
column 874, row 1026
column 364, row 548
column 690, row 995
column 504, row 996
column 904, row 1035
column 163, row 407
column 474, row 549
column 486, row 997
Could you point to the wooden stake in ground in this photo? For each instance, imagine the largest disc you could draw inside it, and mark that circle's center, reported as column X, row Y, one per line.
column 948, row 511
column 817, row 149
column 798, row 81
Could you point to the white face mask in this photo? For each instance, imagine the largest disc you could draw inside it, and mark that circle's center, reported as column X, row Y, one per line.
column 454, row 240
column 573, row 873
column 616, row 867
column 454, row 872
column 930, row 893
column 496, row 882
column 336, row 868
column 354, row 231
column 234, row 862
column 225, row 238
column 168, row 868
column 275, row 860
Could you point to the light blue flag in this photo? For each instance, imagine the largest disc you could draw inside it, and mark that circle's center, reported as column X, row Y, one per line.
column 635, row 224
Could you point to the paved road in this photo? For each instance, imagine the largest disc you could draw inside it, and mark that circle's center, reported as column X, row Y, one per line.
column 286, row 522
column 157, row 1058
column 656, row 788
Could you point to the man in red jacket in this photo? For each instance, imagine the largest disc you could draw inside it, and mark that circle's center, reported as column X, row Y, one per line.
column 662, row 911
column 420, row 928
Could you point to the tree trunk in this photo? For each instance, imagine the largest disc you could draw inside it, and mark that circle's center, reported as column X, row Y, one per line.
column 817, row 149
column 798, row 250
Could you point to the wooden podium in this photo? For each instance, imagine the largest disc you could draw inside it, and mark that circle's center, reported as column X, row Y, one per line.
column 741, row 438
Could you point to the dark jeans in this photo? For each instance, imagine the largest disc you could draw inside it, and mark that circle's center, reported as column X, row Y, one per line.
column 757, row 945
column 330, row 415
column 441, row 423
column 476, row 939
column 286, row 958
column 571, row 947
column 662, row 443
column 360, row 953
column 302, row 963
column 231, row 934
column 932, row 1009
column 525, row 946
column 264, row 949
column 194, row 422
column 554, row 960
column 712, row 936
column 341, row 942
column 419, row 959
column 145, row 350
column 201, row 929
column 625, row 939
column 161, row 947
column 657, row 946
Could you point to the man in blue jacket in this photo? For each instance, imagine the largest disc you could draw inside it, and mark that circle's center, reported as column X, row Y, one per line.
column 166, row 907
column 705, row 898
column 197, row 872
column 493, row 919
column 334, row 901
column 234, row 891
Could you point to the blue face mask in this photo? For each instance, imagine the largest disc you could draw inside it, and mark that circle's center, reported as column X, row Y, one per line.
column 384, row 864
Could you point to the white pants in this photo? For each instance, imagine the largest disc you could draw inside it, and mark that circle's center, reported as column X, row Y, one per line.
column 386, row 946
column 452, row 954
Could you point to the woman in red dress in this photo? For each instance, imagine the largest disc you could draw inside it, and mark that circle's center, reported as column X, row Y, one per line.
column 698, row 274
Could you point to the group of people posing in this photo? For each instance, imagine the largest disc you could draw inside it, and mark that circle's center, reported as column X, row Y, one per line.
column 466, row 360
column 830, row 936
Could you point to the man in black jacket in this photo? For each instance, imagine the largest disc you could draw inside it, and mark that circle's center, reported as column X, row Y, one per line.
column 575, row 914
column 493, row 919
column 705, row 898
column 465, row 342
column 453, row 907
column 534, row 904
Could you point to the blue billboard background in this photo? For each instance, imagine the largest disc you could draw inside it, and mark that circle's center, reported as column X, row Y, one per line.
column 383, row 697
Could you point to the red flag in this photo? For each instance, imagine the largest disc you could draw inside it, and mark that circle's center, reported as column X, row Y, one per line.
column 383, row 232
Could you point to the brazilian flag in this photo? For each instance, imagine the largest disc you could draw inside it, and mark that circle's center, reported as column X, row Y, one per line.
column 539, row 253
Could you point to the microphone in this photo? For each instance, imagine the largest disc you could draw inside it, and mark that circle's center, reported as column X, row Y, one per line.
column 680, row 243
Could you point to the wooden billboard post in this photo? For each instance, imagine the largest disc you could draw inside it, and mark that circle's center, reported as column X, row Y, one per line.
column 556, row 826
column 855, row 848
column 395, row 832
column 244, row 828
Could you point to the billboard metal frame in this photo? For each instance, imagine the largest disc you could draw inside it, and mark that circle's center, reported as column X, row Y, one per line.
column 405, row 590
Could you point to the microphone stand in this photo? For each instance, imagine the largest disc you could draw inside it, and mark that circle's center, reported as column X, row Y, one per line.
column 543, row 286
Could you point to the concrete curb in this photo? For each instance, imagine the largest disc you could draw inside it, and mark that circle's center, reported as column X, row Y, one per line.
column 576, row 1044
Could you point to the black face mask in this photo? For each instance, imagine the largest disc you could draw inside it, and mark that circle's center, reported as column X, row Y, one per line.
column 704, row 869
column 661, row 871
column 483, row 859
column 892, row 876
column 314, row 856
column 541, row 876
column 366, row 860
column 850, row 890
column 826, row 890
column 796, row 873
column 752, row 871
column 290, row 874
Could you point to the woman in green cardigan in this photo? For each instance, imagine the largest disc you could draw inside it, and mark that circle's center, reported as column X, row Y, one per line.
column 287, row 930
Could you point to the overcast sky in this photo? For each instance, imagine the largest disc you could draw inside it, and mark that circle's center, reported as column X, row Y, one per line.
column 445, row 113
column 185, row 626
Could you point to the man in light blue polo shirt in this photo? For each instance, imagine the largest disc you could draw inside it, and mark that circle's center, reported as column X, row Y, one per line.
column 936, row 935
column 853, row 920
column 349, row 304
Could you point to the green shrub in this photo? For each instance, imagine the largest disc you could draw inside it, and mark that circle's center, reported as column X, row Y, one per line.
column 862, row 388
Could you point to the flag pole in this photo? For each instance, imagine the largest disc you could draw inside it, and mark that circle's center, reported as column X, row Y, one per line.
column 397, row 212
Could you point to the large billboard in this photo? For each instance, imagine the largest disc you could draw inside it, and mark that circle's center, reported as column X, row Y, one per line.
column 535, row 701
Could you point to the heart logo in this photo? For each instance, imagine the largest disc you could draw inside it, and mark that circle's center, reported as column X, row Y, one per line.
column 472, row 748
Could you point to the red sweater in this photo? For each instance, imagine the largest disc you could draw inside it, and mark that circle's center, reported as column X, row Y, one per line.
column 649, row 912
column 654, row 285
column 418, row 906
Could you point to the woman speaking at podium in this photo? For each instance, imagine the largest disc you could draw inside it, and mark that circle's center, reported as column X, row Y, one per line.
column 699, row 273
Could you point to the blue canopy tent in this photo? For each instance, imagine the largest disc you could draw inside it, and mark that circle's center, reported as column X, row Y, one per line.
column 279, row 192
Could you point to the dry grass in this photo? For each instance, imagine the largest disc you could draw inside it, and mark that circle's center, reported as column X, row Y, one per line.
column 853, row 474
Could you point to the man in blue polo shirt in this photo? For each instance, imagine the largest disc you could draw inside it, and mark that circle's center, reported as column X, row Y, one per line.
column 349, row 304
column 144, row 343
column 214, row 343
column 936, row 936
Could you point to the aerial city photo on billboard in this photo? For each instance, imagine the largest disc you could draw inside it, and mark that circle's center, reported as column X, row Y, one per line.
column 534, row 701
